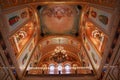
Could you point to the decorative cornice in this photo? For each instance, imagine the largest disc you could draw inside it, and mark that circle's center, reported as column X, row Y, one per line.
column 11, row 3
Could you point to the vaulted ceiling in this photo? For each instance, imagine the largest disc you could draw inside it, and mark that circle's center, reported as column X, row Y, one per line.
column 59, row 19
column 71, row 45
column 10, row 3
column 60, row 26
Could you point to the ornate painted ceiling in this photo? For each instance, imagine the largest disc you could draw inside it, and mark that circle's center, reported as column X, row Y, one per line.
column 59, row 19
column 10, row 3
column 70, row 44
column 49, row 44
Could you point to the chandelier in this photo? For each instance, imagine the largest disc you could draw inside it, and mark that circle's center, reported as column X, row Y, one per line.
column 59, row 55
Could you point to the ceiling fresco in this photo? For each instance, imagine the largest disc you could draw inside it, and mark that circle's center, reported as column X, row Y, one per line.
column 48, row 44
column 70, row 58
column 59, row 19
column 50, row 53
column 11, row 3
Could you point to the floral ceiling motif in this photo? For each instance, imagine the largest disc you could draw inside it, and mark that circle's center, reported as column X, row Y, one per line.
column 59, row 19
column 59, row 11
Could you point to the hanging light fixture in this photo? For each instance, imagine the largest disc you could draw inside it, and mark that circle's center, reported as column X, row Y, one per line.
column 59, row 55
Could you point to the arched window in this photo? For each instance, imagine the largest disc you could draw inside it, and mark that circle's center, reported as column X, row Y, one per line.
column 67, row 68
column 51, row 68
column 59, row 69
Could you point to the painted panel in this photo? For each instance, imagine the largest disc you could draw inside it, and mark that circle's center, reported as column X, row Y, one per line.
column 35, row 59
column 23, row 59
column 21, row 37
column 102, row 18
column 59, row 19
column 15, row 19
column 96, row 36
column 93, row 54
column 60, row 40
column 84, row 59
